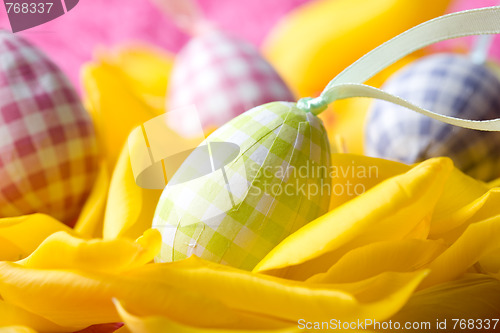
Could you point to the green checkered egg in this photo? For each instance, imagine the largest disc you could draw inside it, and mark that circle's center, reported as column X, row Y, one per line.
column 250, row 184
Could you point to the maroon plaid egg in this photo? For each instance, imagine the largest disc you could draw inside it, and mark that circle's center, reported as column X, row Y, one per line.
column 48, row 149
column 222, row 76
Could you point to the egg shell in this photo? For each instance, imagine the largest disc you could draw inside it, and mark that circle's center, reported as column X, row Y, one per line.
column 448, row 84
column 48, row 149
column 277, row 182
column 223, row 76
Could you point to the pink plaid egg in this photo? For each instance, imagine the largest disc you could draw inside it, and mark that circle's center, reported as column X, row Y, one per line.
column 222, row 76
column 48, row 148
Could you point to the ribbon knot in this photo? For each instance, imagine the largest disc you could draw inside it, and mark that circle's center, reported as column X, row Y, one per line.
column 312, row 105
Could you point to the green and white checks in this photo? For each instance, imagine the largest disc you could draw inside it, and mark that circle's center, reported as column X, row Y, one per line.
column 233, row 205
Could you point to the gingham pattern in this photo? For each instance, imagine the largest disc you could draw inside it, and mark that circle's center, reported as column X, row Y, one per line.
column 448, row 84
column 48, row 151
column 223, row 77
column 240, row 226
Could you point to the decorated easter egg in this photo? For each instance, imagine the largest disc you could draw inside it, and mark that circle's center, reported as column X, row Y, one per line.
column 448, row 84
column 268, row 175
column 222, row 76
column 48, row 149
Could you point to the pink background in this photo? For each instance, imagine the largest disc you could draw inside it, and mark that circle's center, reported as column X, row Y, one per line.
column 71, row 39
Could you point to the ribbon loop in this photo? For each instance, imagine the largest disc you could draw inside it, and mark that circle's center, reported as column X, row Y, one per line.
column 349, row 82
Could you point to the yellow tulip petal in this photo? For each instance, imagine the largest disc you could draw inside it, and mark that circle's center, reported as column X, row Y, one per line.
column 494, row 183
column 334, row 30
column 147, row 69
column 102, row 328
column 392, row 210
column 80, row 299
column 454, row 224
column 91, row 218
column 490, row 263
column 473, row 297
column 217, row 294
column 19, row 236
column 130, row 208
column 115, row 108
column 160, row 324
column 460, row 190
column 16, row 329
column 351, row 172
column 123, row 329
column 404, row 255
column 11, row 315
column 377, row 297
column 478, row 240
column 63, row 251
column 10, row 251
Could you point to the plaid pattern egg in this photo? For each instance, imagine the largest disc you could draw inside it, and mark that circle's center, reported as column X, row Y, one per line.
column 48, row 149
column 447, row 84
column 222, row 76
column 274, row 182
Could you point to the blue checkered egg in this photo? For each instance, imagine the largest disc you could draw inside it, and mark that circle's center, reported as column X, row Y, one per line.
column 250, row 184
column 448, row 84
column 222, row 76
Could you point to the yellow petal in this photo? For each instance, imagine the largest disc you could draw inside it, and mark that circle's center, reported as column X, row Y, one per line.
column 147, row 69
column 395, row 209
column 160, row 324
column 354, row 174
column 63, row 251
column 404, row 255
column 377, row 297
column 494, row 183
column 11, row 315
column 478, row 240
column 473, row 297
column 115, row 107
column 351, row 170
column 123, row 329
column 16, row 329
column 451, row 226
column 217, row 294
column 490, row 263
column 19, row 236
column 130, row 208
column 80, row 299
column 90, row 221
column 459, row 191
column 10, row 251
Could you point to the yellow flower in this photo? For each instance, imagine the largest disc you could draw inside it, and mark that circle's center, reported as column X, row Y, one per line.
column 122, row 89
column 420, row 244
column 20, row 236
column 128, row 84
column 130, row 208
column 398, row 208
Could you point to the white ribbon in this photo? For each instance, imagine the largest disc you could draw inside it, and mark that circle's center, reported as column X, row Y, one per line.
column 349, row 82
